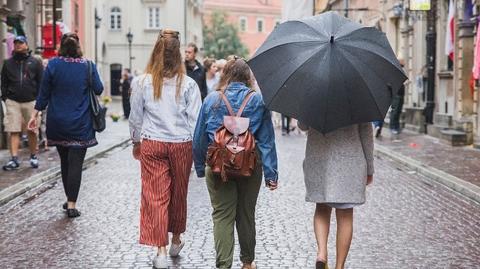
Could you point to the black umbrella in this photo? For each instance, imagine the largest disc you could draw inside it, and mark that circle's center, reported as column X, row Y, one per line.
column 327, row 71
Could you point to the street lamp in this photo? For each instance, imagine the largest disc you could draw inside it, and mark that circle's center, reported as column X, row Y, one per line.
column 129, row 39
column 97, row 25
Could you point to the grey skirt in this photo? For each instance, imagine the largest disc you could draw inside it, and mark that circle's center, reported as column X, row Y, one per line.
column 342, row 205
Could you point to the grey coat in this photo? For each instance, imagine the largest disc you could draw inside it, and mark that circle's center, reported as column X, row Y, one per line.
column 336, row 164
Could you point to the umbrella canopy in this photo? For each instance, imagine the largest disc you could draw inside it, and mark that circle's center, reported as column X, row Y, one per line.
column 327, row 71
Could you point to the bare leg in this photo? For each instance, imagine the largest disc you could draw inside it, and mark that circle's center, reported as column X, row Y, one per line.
column 321, row 224
column 162, row 251
column 71, row 205
column 14, row 143
column 344, row 235
column 33, row 142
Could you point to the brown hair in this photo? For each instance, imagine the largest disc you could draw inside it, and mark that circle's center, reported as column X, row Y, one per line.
column 70, row 46
column 208, row 63
column 236, row 70
column 166, row 62
column 194, row 46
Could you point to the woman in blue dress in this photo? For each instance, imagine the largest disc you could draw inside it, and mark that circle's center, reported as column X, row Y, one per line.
column 64, row 89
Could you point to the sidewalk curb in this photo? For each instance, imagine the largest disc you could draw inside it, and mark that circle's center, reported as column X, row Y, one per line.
column 456, row 184
column 48, row 176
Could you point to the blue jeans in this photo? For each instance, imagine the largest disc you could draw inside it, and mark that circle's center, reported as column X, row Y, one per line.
column 378, row 123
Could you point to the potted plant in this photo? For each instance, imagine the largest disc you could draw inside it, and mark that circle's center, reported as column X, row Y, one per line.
column 106, row 100
column 115, row 117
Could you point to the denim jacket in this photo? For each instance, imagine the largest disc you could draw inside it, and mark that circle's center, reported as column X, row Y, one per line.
column 211, row 118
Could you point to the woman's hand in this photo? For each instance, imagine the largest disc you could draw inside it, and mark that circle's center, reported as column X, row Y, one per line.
column 272, row 185
column 369, row 180
column 137, row 153
column 33, row 122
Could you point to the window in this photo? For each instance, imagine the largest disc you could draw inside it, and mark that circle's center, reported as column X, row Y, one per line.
column 115, row 18
column 260, row 25
column 243, row 24
column 153, row 18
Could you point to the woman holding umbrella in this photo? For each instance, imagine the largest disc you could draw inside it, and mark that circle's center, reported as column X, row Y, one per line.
column 335, row 76
column 337, row 167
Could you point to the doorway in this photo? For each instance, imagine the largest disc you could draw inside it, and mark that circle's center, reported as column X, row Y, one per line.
column 115, row 77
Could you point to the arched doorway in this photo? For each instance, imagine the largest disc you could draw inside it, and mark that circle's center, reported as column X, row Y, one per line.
column 115, row 77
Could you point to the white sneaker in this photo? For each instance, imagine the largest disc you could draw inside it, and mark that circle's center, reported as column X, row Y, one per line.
column 160, row 262
column 175, row 249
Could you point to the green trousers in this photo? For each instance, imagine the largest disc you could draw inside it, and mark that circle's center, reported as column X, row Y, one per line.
column 234, row 203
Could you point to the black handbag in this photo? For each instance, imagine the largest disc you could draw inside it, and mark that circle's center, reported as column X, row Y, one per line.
column 98, row 111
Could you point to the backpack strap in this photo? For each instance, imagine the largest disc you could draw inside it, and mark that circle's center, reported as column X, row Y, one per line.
column 245, row 102
column 227, row 103
column 242, row 107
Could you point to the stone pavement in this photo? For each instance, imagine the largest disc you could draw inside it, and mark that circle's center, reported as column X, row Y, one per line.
column 406, row 223
column 13, row 183
column 460, row 162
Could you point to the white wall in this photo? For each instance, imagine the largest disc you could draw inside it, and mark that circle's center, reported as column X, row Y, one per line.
column 296, row 9
column 135, row 17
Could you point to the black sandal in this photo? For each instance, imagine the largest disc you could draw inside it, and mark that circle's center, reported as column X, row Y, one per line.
column 73, row 213
column 321, row 265
column 65, row 206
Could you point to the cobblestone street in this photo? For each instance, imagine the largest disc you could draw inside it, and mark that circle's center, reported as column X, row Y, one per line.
column 406, row 223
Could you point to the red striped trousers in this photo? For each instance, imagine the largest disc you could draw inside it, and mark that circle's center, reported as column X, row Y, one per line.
column 165, row 173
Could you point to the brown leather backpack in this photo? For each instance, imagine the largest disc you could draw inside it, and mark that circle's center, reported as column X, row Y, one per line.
column 232, row 154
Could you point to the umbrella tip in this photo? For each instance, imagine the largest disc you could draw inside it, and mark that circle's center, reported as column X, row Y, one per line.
column 331, row 39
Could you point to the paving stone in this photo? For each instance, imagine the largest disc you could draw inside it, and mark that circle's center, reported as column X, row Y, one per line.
column 405, row 223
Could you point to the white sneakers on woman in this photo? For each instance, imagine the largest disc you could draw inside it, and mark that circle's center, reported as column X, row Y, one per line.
column 160, row 262
column 175, row 249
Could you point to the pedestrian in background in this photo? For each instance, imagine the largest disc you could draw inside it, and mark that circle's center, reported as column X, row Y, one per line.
column 338, row 166
column 21, row 78
column 65, row 90
column 43, row 121
column 397, row 107
column 165, row 103
column 234, row 201
column 195, row 70
column 220, row 65
column 125, row 90
column 211, row 74
column 286, row 125
column 396, row 112
column 378, row 125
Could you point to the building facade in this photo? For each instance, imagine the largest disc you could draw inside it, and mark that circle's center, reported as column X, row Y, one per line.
column 453, row 99
column 42, row 22
column 255, row 19
column 143, row 19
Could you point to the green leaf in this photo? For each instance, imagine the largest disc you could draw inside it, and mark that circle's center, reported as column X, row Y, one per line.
column 221, row 38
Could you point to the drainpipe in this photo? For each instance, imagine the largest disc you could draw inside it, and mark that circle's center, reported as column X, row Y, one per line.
column 431, row 39
column 185, row 2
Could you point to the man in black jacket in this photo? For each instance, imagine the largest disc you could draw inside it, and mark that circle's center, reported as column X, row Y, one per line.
column 195, row 70
column 21, row 76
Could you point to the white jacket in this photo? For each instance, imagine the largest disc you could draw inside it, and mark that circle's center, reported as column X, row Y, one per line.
column 166, row 119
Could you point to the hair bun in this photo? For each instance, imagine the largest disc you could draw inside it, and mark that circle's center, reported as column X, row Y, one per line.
column 169, row 33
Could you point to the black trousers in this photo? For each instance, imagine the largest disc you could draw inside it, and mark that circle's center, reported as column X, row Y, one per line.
column 397, row 106
column 71, row 160
column 126, row 106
